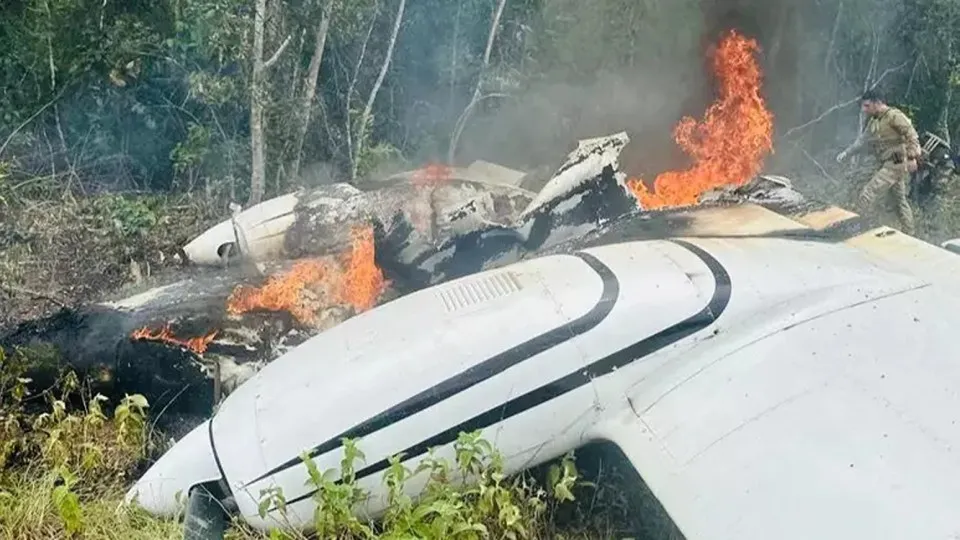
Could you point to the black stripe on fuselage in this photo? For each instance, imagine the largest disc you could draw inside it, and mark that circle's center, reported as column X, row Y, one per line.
column 637, row 351
column 479, row 372
column 221, row 484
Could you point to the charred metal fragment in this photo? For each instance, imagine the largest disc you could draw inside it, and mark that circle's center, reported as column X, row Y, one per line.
column 102, row 345
column 423, row 233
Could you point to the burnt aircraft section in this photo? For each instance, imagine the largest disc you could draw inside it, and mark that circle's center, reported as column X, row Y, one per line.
column 187, row 344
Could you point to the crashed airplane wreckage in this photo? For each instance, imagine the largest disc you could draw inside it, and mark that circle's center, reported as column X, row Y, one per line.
column 305, row 262
column 287, row 269
column 697, row 340
column 740, row 356
column 185, row 344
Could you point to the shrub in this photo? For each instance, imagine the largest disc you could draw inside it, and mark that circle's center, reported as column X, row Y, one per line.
column 471, row 498
column 64, row 471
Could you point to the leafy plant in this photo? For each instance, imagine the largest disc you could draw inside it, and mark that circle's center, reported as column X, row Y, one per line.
column 67, row 503
column 469, row 498
column 128, row 216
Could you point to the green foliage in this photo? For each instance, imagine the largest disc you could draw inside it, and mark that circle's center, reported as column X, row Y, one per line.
column 156, row 94
column 374, row 158
column 129, row 217
column 188, row 155
column 57, row 464
column 65, row 471
column 470, row 498
column 67, row 503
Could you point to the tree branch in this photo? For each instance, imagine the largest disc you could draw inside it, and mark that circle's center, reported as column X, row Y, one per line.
column 310, row 83
column 833, row 38
column 816, row 163
column 368, row 109
column 348, row 101
column 462, row 121
column 11, row 290
column 31, row 118
column 843, row 105
column 276, row 56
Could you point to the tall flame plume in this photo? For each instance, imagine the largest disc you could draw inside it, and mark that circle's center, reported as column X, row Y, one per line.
column 729, row 145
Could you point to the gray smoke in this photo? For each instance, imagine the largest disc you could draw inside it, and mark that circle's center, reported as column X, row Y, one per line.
column 605, row 72
column 642, row 68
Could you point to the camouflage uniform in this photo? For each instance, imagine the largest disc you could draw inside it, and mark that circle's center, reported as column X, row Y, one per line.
column 892, row 139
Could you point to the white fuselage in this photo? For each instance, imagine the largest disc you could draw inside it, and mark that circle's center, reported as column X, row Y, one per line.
column 762, row 387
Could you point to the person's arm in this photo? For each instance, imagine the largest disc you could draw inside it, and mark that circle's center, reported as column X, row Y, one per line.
column 854, row 148
column 911, row 141
column 858, row 144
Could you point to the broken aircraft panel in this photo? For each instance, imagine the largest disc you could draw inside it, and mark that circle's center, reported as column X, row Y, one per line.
column 313, row 221
column 591, row 205
column 180, row 345
column 765, row 327
column 411, row 219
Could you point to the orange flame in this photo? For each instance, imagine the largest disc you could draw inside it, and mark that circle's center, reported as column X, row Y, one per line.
column 729, row 145
column 281, row 293
column 364, row 282
column 431, row 174
column 358, row 283
column 165, row 335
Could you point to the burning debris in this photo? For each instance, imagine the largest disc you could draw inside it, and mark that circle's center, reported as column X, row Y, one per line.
column 314, row 284
column 218, row 328
column 204, row 336
column 197, row 345
column 283, row 292
column 336, row 251
column 306, row 291
column 432, row 174
column 416, row 209
column 729, row 145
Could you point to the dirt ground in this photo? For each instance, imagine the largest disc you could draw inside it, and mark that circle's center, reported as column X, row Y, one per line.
column 56, row 254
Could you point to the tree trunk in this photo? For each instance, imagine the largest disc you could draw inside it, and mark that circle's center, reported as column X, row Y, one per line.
column 943, row 122
column 310, row 84
column 465, row 115
column 348, row 101
column 943, row 119
column 368, row 109
column 257, row 166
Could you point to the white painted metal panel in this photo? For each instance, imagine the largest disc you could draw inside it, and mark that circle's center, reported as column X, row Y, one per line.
column 535, row 409
column 763, row 387
column 362, row 367
column 166, row 485
column 829, row 415
column 262, row 226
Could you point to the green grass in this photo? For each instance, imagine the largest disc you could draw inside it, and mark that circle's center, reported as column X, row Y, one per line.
column 64, row 470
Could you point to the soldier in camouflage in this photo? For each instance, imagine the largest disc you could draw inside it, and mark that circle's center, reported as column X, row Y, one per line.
column 890, row 136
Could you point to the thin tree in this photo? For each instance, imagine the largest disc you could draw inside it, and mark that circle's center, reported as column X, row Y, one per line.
column 257, row 98
column 477, row 95
column 310, row 82
column 368, row 109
